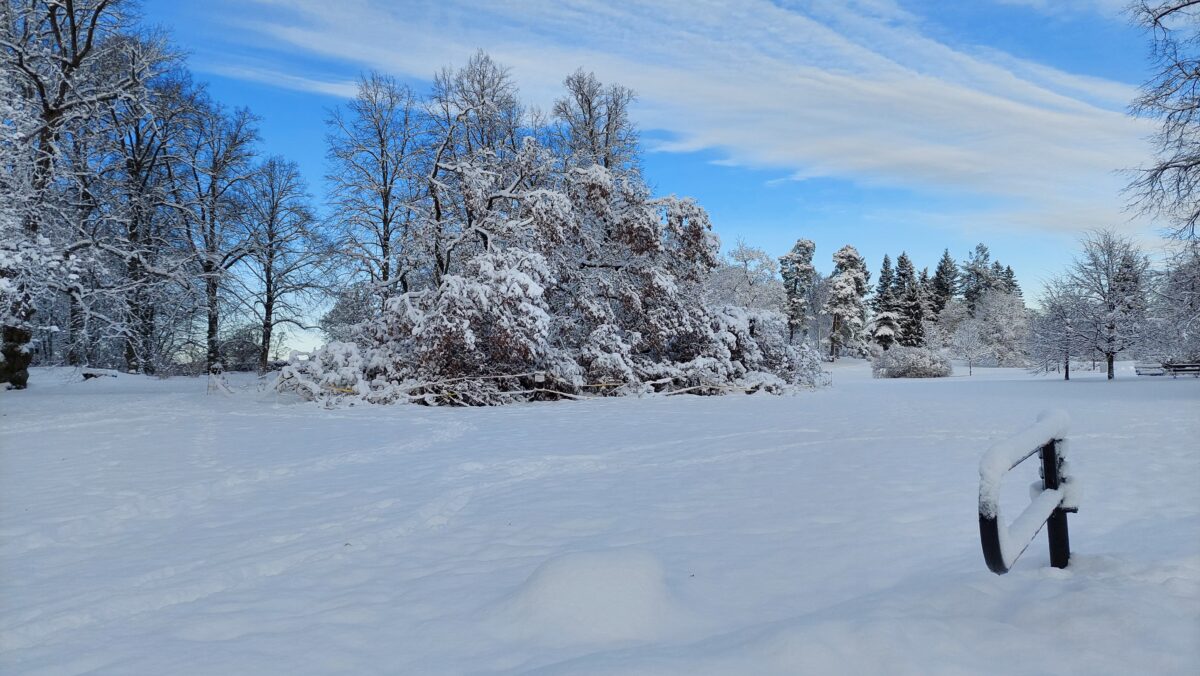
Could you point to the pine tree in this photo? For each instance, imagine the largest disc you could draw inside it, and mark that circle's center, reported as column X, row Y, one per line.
column 885, row 298
column 846, row 304
column 909, row 306
column 884, row 329
column 945, row 283
column 1009, row 281
column 798, row 274
column 977, row 278
column 925, row 285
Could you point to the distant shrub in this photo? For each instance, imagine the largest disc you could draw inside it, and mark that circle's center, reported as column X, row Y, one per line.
column 911, row 362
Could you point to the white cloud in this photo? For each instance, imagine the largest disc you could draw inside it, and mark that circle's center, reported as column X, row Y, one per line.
column 1109, row 8
column 815, row 88
column 342, row 89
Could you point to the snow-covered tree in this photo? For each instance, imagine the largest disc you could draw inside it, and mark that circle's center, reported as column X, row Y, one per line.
column 1109, row 279
column 911, row 362
column 746, row 277
column 153, row 285
column 1053, row 340
column 1003, row 321
column 909, row 303
column 216, row 161
column 940, row 334
column 799, row 278
column 1174, row 313
column 353, row 306
column 551, row 274
column 885, row 327
column 846, row 305
column 884, row 299
column 976, row 276
column 945, row 283
column 970, row 343
column 63, row 68
column 594, row 126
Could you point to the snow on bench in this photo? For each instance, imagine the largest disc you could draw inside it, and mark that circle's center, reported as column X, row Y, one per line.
column 1052, row 499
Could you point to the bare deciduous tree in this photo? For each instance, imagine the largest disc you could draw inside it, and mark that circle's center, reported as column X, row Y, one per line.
column 372, row 147
column 1169, row 187
column 286, row 255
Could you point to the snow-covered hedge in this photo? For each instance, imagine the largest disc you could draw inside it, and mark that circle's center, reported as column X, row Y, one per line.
column 911, row 362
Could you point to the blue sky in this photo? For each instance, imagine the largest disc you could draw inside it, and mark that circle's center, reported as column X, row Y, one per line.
column 888, row 124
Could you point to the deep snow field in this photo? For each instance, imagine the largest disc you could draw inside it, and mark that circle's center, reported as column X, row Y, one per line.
column 147, row 527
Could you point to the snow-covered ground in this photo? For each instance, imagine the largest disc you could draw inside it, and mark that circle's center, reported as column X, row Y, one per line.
column 149, row 528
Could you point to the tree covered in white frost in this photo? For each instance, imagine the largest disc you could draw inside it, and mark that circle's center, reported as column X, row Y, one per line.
column 1173, row 327
column 847, row 306
column 1109, row 280
column 746, row 276
column 1053, row 340
column 799, row 280
column 1003, row 322
column 537, row 264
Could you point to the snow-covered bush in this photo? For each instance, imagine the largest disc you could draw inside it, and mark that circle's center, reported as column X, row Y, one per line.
column 331, row 372
column 911, row 362
column 539, row 275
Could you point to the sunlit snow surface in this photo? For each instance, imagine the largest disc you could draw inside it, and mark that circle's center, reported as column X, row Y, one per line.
column 149, row 528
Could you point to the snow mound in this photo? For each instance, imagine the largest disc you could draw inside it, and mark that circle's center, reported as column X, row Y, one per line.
column 593, row 597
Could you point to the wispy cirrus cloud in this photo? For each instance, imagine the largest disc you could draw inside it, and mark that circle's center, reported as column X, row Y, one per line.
column 1111, row 8
column 276, row 78
column 853, row 90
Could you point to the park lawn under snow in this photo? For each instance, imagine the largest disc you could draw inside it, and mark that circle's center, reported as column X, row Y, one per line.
column 149, row 528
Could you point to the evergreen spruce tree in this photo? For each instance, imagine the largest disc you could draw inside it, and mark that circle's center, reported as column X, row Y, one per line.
column 885, row 297
column 1009, row 281
column 884, row 329
column 798, row 274
column 977, row 276
column 925, row 284
column 945, row 283
column 909, row 307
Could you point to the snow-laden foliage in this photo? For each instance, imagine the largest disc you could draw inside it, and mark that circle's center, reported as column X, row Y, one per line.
column 1174, row 333
column 336, row 369
column 746, row 277
column 847, row 291
column 799, row 279
column 1003, row 323
column 911, row 362
column 1110, row 284
column 578, row 283
column 884, row 329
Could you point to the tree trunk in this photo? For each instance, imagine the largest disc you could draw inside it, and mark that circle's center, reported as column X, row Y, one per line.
column 1110, row 358
column 77, row 353
column 214, row 347
column 149, row 357
column 14, row 366
column 264, row 352
column 134, row 357
column 833, row 338
column 1067, row 367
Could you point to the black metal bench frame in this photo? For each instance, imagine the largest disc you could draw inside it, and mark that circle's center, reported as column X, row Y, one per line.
column 1051, row 452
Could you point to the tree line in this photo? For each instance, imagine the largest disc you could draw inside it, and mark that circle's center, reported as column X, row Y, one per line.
column 474, row 249
column 477, row 250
